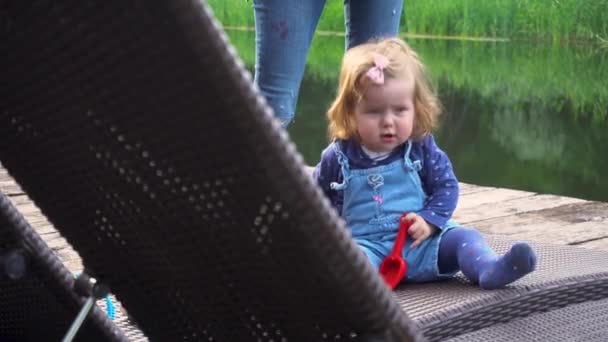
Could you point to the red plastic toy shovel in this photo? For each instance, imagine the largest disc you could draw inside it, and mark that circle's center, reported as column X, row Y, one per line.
column 393, row 267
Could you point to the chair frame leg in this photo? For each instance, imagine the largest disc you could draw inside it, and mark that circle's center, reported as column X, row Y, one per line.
column 89, row 287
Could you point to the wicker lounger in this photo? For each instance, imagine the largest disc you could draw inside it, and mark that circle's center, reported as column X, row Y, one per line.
column 136, row 131
column 565, row 276
column 40, row 305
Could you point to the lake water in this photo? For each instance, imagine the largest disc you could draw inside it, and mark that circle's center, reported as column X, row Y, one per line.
column 517, row 115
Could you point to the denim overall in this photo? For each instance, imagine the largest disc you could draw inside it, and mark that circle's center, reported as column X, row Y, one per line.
column 374, row 200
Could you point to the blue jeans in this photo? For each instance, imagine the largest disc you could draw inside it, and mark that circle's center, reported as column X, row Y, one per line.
column 284, row 30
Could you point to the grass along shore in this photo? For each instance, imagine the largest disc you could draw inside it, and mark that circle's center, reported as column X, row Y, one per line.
column 563, row 21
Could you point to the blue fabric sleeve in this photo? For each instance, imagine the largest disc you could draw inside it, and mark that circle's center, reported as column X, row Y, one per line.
column 439, row 183
column 328, row 171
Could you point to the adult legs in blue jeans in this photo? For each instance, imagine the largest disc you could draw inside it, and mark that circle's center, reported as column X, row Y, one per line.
column 284, row 31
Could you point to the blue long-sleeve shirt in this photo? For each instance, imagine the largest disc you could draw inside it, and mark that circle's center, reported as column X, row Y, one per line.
column 438, row 180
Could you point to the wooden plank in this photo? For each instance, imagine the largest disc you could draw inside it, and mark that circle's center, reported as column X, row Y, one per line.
column 10, row 189
column 495, row 195
column 66, row 254
column 21, row 199
column 74, row 266
column 45, row 228
column 28, row 208
column 487, row 207
column 468, row 189
column 548, row 231
column 8, row 186
column 6, row 181
column 595, row 244
column 36, row 220
column 56, row 241
column 566, row 224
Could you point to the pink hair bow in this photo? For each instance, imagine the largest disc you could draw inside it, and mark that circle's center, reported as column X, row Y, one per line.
column 376, row 72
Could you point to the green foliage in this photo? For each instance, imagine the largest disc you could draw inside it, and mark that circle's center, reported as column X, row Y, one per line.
column 510, row 72
column 519, row 115
column 233, row 12
column 551, row 20
column 515, row 72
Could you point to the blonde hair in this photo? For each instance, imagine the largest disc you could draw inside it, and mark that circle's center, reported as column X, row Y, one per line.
column 403, row 63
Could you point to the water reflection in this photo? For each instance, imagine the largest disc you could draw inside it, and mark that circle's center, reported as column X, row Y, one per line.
column 518, row 116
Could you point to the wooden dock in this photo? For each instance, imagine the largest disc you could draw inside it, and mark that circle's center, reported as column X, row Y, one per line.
column 518, row 214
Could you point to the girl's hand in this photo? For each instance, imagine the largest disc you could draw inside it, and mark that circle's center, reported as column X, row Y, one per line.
column 420, row 230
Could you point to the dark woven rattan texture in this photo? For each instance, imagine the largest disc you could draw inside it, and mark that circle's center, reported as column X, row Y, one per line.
column 41, row 306
column 122, row 320
column 581, row 322
column 565, row 275
column 133, row 129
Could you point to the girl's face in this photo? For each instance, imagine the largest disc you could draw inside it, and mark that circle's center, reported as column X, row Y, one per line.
column 385, row 115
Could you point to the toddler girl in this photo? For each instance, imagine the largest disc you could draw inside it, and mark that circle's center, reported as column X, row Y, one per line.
column 383, row 161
